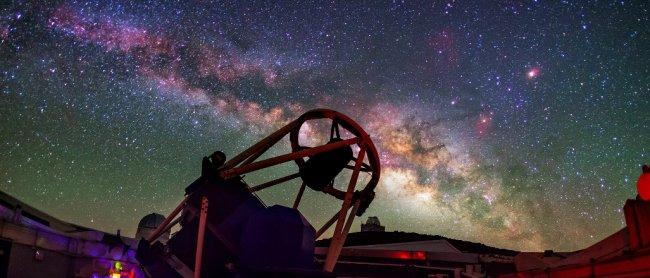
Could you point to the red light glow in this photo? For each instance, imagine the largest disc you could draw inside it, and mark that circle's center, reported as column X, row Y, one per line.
column 407, row 255
column 532, row 73
column 643, row 184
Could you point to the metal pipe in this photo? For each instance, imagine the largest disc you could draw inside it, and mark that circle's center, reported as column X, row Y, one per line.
column 216, row 233
column 327, row 225
column 261, row 146
column 226, row 174
column 173, row 223
column 163, row 226
column 273, row 182
column 200, row 237
column 344, row 232
column 299, row 196
column 338, row 236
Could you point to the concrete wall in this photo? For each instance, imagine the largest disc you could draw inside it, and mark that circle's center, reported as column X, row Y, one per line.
column 62, row 256
column 22, row 263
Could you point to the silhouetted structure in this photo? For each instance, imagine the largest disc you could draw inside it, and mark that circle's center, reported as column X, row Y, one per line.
column 401, row 254
column 372, row 225
column 148, row 224
column 625, row 253
column 35, row 244
column 225, row 225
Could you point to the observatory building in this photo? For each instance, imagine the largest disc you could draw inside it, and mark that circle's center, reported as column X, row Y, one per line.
column 35, row 244
column 148, row 225
column 372, row 225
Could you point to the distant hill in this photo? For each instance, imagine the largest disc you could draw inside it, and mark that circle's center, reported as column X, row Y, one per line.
column 369, row 238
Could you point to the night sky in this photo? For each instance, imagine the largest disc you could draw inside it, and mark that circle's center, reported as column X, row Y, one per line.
column 519, row 124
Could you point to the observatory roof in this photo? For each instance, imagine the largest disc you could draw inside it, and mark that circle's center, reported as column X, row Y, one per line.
column 151, row 221
column 439, row 245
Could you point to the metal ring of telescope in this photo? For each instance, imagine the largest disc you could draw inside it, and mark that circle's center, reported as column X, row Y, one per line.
column 245, row 161
column 363, row 142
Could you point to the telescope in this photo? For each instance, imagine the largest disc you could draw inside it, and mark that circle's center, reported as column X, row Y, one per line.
column 227, row 231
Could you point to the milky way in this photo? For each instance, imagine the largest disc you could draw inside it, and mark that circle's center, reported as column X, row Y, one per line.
column 516, row 124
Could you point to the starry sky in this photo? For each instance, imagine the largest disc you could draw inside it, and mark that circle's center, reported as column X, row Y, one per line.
column 519, row 124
